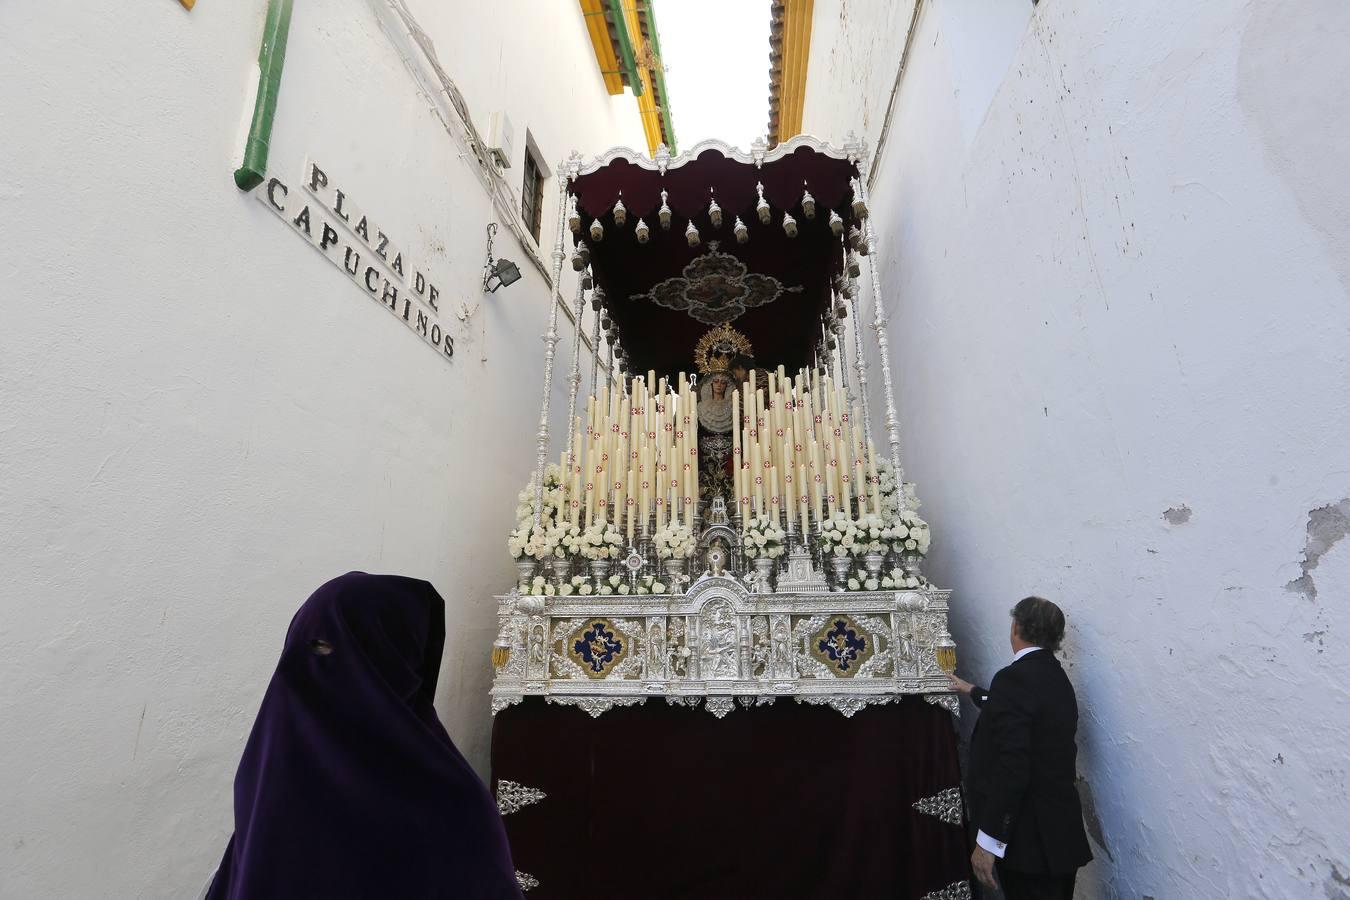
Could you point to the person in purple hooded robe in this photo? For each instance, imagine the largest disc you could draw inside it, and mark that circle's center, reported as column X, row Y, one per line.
column 349, row 786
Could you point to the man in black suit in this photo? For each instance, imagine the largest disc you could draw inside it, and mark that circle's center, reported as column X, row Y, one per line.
column 1020, row 784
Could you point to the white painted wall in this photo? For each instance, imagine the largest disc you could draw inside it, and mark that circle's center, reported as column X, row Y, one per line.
column 1116, row 259
column 203, row 420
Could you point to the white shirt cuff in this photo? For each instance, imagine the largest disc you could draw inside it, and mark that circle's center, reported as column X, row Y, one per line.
column 998, row 848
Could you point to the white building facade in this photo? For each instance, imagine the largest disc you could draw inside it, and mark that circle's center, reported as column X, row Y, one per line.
column 1115, row 257
column 204, row 419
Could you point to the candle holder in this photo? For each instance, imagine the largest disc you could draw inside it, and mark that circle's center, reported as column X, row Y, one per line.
column 562, row 569
column 763, row 578
column 675, row 570
column 599, row 571
column 525, row 567
column 840, row 565
column 813, row 545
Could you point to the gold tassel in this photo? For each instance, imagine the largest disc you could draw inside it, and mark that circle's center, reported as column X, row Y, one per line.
column 499, row 656
column 946, row 659
column 188, row 4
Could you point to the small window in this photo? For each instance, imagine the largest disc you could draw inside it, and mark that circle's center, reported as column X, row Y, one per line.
column 532, row 194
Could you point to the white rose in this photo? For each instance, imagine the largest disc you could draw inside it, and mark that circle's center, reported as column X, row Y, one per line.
column 586, row 589
column 853, row 584
column 911, row 544
column 623, row 589
column 658, row 588
column 871, row 584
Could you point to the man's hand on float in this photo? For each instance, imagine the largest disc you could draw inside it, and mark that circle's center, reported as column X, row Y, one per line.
column 982, row 862
column 960, row 686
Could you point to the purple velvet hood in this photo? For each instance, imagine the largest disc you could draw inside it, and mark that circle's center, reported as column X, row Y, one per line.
column 349, row 786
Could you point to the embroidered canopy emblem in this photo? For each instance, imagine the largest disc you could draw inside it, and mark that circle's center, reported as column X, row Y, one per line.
column 597, row 648
column 945, row 805
column 842, row 645
column 716, row 287
column 957, row 890
column 513, row 796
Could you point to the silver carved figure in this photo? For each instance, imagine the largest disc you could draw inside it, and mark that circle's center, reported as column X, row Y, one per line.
column 718, row 659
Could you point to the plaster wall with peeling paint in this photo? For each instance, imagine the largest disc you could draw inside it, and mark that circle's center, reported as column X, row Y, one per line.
column 1115, row 257
column 203, row 420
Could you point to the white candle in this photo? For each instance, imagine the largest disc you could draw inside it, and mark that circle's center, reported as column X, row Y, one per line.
column 629, row 505
column 802, row 494
column 574, row 472
column 736, row 427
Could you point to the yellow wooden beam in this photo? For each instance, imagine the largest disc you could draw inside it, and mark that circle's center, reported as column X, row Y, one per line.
column 791, row 75
column 802, row 11
column 593, row 11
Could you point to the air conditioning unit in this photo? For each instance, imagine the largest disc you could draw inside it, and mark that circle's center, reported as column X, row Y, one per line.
column 501, row 139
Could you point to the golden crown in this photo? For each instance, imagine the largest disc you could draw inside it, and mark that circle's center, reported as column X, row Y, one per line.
column 716, row 349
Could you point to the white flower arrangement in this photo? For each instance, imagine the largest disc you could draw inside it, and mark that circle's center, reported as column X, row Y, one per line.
column 897, row 580
column 563, row 537
column 839, row 535
column 873, row 535
column 894, row 580
column 602, row 540
column 540, row 587
column 909, row 533
column 612, row 585
column 540, row 542
column 579, row 584
column 555, row 496
column 862, row 580
column 675, row 541
column 764, row 539
column 648, row 584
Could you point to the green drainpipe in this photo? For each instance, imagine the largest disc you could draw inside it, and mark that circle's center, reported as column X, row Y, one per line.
column 627, row 61
column 271, row 58
column 659, row 76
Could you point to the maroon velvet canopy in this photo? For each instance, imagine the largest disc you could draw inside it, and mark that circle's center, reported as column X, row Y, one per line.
column 664, row 295
column 785, row 801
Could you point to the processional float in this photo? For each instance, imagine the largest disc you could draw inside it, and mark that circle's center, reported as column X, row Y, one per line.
column 724, row 523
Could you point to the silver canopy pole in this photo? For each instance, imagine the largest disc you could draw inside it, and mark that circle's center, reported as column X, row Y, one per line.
column 879, row 318
column 575, row 378
column 595, row 347
column 551, row 341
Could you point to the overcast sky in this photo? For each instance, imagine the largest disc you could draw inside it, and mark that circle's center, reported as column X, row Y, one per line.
column 717, row 68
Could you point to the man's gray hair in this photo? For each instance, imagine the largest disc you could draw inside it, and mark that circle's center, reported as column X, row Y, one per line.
column 1039, row 622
